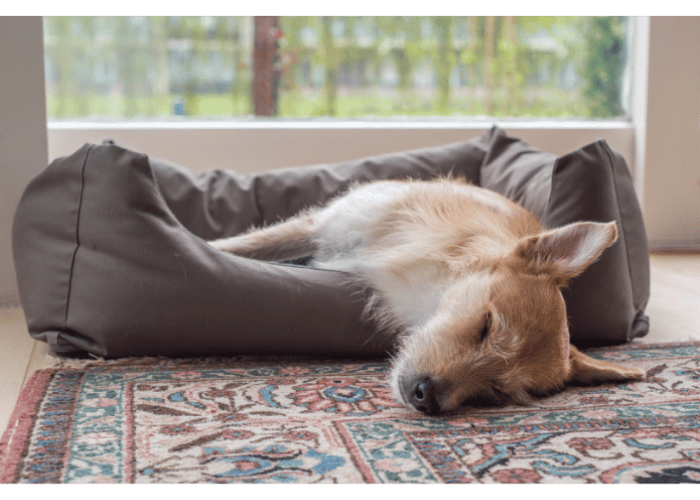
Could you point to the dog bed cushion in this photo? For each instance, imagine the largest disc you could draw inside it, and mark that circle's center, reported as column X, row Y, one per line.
column 111, row 255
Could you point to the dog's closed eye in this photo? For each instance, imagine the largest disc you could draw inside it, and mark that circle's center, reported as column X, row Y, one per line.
column 486, row 328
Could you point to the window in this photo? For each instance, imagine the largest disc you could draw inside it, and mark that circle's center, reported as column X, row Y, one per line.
column 155, row 68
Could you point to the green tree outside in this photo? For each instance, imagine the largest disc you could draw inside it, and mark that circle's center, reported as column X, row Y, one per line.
column 342, row 67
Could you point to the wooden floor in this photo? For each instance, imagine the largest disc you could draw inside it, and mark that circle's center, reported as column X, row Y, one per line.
column 674, row 312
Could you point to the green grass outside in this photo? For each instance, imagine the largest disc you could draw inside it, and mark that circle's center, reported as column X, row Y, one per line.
column 552, row 103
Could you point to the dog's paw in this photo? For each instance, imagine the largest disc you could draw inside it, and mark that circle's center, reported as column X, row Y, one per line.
column 637, row 374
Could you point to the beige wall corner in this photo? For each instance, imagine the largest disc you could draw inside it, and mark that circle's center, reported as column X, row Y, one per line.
column 23, row 150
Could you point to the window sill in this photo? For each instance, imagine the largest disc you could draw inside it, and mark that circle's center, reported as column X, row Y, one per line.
column 260, row 144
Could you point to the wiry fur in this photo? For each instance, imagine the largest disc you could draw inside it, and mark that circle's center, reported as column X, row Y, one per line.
column 466, row 279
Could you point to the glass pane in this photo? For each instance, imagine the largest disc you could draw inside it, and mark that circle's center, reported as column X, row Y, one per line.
column 343, row 67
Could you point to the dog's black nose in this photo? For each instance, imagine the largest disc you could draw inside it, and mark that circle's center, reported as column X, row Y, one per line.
column 422, row 395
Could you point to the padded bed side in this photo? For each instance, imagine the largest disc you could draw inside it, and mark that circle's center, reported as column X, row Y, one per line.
column 44, row 244
column 144, row 285
column 220, row 203
column 111, row 260
column 606, row 302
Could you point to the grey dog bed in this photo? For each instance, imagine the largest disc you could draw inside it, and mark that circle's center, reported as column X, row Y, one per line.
column 109, row 247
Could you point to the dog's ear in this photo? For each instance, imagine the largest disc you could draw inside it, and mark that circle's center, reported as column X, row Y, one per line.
column 565, row 252
column 588, row 371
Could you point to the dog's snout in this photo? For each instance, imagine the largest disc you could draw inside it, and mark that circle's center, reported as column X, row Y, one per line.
column 421, row 394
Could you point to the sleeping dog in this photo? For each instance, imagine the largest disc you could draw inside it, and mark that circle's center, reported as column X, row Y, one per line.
column 467, row 280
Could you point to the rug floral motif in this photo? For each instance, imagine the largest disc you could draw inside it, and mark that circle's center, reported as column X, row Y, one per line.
column 309, row 421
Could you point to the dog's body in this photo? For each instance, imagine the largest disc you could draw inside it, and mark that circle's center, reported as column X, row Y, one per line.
column 467, row 279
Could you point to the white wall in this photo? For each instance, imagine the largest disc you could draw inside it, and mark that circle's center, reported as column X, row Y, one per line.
column 23, row 149
column 672, row 164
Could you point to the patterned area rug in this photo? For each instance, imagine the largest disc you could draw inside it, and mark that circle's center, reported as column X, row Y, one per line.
column 262, row 420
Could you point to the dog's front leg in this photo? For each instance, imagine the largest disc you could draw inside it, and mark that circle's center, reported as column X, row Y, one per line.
column 286, row 240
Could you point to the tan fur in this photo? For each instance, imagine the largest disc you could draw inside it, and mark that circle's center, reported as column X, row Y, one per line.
column 445, row 259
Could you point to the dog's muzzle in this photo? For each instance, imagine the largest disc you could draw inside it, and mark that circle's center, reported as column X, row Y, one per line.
column 421, row 393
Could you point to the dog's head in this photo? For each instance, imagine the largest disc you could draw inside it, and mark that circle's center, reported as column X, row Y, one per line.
column 501, row 332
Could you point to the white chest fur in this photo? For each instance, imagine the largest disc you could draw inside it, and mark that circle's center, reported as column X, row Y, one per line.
column 352, row 239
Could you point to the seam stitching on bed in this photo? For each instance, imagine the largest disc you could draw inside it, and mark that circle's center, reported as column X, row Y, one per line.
column 608, row 152
column 77, row 234
column 256, row 200
column 555, row 165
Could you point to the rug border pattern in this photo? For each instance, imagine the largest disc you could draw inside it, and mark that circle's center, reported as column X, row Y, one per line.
column 56, row 383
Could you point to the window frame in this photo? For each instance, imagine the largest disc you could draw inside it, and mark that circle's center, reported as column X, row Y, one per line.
column 244, row 144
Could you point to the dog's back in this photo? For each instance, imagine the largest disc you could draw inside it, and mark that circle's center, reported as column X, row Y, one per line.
column 410, row 240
